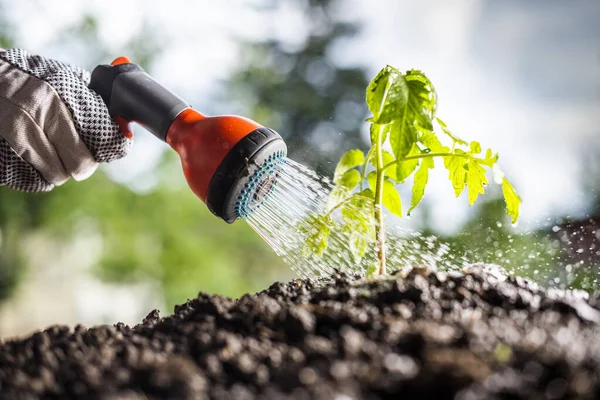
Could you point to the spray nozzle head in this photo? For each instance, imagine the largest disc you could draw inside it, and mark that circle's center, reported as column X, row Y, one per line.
column 247, row 175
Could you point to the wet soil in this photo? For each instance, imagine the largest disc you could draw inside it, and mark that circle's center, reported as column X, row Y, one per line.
column 478, row 334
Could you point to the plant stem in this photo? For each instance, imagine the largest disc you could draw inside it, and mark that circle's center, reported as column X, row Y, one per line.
column 431, row 155
column 379, row 225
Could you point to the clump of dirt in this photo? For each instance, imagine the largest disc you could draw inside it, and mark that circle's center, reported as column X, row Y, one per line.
column 479, row 334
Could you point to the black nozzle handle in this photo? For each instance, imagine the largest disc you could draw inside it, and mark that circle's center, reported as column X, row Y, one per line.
column 131, row 93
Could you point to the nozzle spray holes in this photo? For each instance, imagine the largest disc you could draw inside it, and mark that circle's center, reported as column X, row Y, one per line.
column 260, row 184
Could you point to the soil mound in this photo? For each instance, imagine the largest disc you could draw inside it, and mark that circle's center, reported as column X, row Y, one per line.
column 479, row 334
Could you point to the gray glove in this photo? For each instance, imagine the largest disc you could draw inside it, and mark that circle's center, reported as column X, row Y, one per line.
column 52, row 127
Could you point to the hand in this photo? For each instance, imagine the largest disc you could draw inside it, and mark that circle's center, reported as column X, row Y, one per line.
column 52, row 127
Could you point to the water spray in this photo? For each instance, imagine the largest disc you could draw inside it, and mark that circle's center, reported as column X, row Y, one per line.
column 230, row 162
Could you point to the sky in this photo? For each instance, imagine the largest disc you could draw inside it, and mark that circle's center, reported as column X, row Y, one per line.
column 520, row 76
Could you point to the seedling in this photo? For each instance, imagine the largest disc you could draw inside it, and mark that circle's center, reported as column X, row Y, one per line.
column 404, row 119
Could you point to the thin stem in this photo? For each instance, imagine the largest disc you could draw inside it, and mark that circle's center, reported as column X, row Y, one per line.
column 379, row 225
column 347, row 199
column 364, row 168
column 430, row 155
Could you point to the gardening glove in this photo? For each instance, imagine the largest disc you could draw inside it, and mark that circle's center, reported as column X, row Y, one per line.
column 52, row 127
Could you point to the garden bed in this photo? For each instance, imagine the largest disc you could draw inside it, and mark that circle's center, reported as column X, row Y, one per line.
column 478, row 334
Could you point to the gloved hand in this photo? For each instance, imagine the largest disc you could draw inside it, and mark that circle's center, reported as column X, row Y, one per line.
column 52, row 127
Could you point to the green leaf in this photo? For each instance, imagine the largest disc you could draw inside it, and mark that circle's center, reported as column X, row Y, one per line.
column 430, row 140
column 359, row 243
column 406, row 168
column 403, row 136
column 367, row 193
column 422, row 98
column 490, row 158
column 372, row 179
column 351, row 159
column 512, row 199
column 357, row 214
column 391, row 198
column 358, row 208
column 456, row 166
column 475, row 148
column 344, row 185
column 386, row 94
column 447, row 131
column 374, row 129
column 372, row 269
column 387, row 158
column 417, row 114
column 420, row 181
column 317, row 228
column 350, row 179
column 476, row 180
column 377, row 89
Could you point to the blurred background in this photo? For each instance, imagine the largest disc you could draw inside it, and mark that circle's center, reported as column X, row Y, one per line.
column 522, row 77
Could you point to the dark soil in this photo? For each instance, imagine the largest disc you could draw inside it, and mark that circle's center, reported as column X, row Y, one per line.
column 474, row 335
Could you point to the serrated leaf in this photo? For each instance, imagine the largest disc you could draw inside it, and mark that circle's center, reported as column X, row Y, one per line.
column 476, row 180
column 420, row 181
column 317, row 228
column 512, row 199
column 376, row 91
column 396, row 99
column 431, row 141
column 457, row 172
column 351, row 159
column 350, row 179
column 406, row 168
column 475, row 148
column 416, row 115
column 386, row 95
column 359, row 208
column 422, row 98
column 403, row 136
column 391, row 198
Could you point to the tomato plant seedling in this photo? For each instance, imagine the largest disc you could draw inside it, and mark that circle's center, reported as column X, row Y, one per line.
column 403, row 107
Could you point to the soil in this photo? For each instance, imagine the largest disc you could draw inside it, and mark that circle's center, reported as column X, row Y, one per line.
column 478, row 334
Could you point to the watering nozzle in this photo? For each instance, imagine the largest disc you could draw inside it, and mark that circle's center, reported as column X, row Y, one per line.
column 230, row 162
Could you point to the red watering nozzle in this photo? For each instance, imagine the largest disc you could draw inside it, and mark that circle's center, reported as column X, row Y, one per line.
column 230, row 162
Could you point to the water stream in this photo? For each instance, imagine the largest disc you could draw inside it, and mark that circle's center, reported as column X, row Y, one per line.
column 300, row 192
